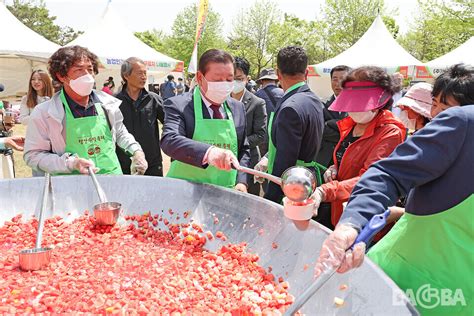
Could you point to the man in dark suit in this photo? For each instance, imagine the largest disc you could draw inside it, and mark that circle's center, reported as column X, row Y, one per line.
column 204, row 130
column 331, row 131
column 330, row 137
column 256, row 117
column 297, row 125
column 271, row 94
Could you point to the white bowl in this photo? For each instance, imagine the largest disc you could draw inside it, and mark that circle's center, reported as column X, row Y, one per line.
column 298, row 212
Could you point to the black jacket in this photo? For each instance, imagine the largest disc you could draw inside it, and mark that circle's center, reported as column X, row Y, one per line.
column 297, row 131
column 330, row 134
column 270, row 104
column 141, row 120
column 256, row 117
column 178, row 132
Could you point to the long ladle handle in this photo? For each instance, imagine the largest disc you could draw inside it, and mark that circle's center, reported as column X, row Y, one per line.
column 44, row 204
column 373, row 227
column 261, row 174
column 100, row 192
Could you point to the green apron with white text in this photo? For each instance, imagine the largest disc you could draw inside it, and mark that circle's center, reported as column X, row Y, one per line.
column 431, row 258
column 90, row 138
column 217, row 132
column 272, row 149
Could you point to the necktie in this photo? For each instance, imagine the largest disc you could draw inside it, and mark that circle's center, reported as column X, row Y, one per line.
column 216, row 112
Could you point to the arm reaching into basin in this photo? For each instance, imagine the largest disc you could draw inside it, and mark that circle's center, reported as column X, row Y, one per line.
column 432, row 166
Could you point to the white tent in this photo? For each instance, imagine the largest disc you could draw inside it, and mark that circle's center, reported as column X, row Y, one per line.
column 376, row 47
column 113, row 42
column 462, row 54
column 21, row 51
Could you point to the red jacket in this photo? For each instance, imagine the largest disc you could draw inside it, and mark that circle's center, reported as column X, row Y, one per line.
column 384, row 133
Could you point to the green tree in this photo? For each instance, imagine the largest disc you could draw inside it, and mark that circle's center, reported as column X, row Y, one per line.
column 35, row 15
column 153, row 38
column 180, row 43
column 298, row 32
column 347, row 20
column 254, row 35
column 441, row 27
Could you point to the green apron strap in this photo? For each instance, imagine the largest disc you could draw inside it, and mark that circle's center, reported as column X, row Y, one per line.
column 90, row 138
column 319, row 168
column 219, row 133
column 271, row 145
column 198, row 106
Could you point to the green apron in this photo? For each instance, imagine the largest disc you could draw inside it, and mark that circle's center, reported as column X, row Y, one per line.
column 90, row 138
column 431, row 258
column 272, row 149
column 219, row 133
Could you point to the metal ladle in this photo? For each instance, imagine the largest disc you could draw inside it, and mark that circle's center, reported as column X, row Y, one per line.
column 297, row 183
column 106, row 213
column 375, row 225
column 38, row 257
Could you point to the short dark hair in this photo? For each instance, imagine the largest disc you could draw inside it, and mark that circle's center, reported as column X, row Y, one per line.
column 292, row 60
column 340, row 68
column 214, row 56
column 242, row 64
column 373, row 74
column 170, row 77
column 65, row 57
column 456, row 82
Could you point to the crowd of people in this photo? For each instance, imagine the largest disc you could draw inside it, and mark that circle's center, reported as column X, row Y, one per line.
column 418, row 163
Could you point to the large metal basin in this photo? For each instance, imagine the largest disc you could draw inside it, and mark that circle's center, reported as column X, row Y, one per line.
column 370, row 291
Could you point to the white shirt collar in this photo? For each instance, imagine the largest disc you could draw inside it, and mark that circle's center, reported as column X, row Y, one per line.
column 243, row 94
column 208, row 106
column 206, row 102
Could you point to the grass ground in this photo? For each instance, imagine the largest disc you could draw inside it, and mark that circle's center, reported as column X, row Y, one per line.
column 23, row 171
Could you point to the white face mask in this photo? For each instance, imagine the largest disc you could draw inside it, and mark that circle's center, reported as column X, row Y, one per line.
column 408, row 122
column 362, row 117
column 218, row 91
column 239, row 86
column 82, row 85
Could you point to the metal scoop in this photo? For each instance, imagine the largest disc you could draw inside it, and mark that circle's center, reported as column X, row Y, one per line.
column 38, row 257
column 373, row 227
column 106, row 213
column 297, row 183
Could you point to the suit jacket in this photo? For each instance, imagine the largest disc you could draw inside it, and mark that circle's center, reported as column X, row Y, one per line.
column 297, row 131
column 330, row 134
column 178, row 132
column 332, row 115
column 277, row 94
column 256, row 118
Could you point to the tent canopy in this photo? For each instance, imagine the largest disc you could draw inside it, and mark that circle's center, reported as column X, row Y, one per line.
column 21, row 51
column 113, row 42
column 19, row 40
column 376, row 47
column 462, row 54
